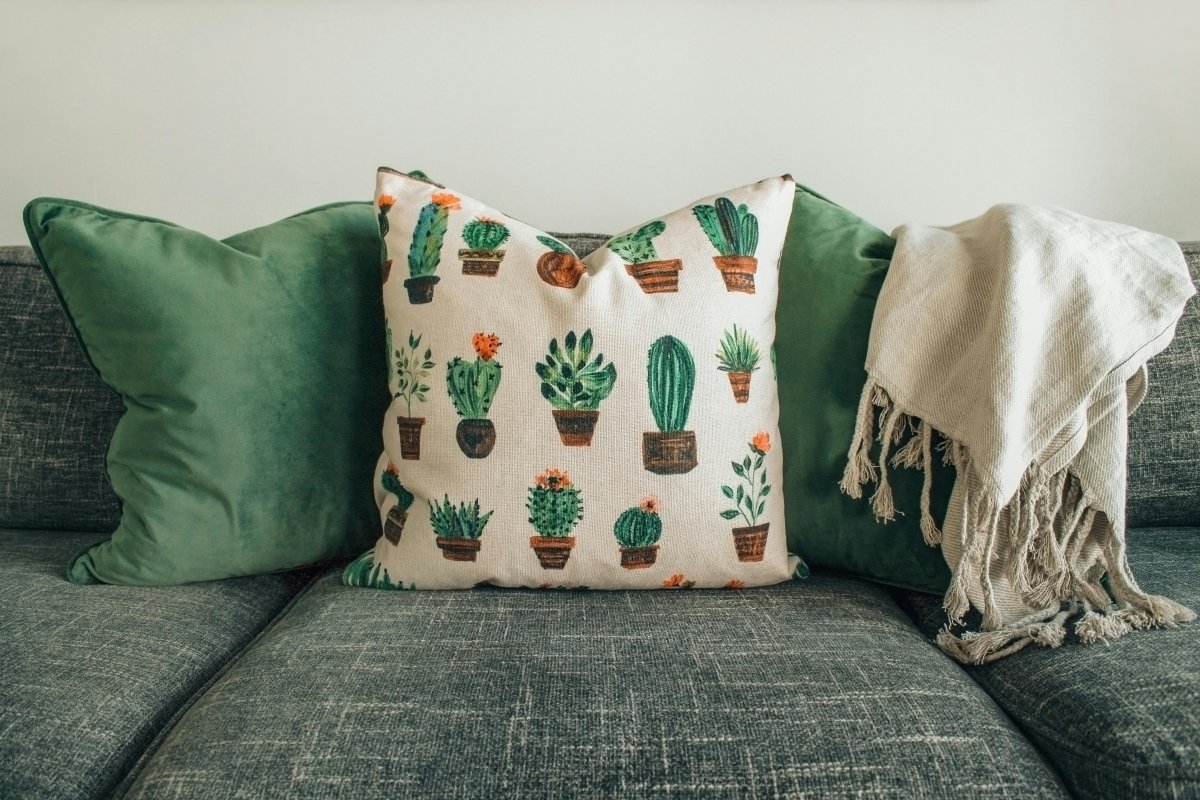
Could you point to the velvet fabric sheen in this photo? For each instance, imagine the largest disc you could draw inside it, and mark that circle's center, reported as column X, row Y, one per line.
column 252, row 374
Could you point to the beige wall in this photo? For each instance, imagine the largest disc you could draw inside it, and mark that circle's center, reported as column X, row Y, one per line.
column 225, row 115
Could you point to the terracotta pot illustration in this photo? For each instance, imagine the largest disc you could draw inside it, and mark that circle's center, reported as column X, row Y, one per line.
column 560, row 269
column 481, row 262
column 420, row 290
column 639, row 557
column 657, row 276
column 410, row 437
column 476, row 437
column 751, row 542
column 738, row 272
column 740, row 383
column 458, row 549
column 552, row 551
column 575, row 427
column 393, row 525
column 386, row 269
column 669, row 453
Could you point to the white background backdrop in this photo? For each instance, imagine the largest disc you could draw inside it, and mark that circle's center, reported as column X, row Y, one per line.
column 225, row 115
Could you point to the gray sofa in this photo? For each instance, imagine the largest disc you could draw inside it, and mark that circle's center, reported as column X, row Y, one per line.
column 291, row 685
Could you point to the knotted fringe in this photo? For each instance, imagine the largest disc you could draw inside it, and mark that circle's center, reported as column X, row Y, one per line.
column 1046, row 525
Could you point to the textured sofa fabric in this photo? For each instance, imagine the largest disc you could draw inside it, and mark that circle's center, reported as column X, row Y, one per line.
column 89, row 675
column 1121, row 720
column 820, row 688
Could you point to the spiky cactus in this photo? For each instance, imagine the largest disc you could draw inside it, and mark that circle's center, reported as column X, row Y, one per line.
column 638, row 527
column 457, row 522
column 389, row 479
column 637, row 247
column 472, row 384
column 671, row 379
column 425, row 252
column 484, row 233
column 554, row 505
column 733, row 230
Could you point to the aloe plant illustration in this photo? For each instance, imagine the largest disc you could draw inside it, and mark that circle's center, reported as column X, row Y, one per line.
column 636, row 249
column 366, row 573
column 750, row 500
column 738, row 356
column 393, row 524
column 554, row 511
column 483, row 236
column 733, row 231
column 412, row 369
column 458, row 528
column 559, row 266
column 574, row 383
column 384, row 204
column 671, row 380
column 472, row 386
column 638, row 530
column 425, row 252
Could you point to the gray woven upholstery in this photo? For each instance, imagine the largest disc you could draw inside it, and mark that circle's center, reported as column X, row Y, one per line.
column 820, row 688
column 90, row 674
column 1164, row 434
column 1117, row 721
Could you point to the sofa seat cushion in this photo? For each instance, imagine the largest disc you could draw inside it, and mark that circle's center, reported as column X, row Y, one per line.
column 820, row 688
column 90, row 674
column 1116, row 721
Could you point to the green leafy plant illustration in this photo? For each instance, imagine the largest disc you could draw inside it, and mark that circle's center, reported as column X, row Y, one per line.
column 365, row 573
column 750, row 495
column 569, row 379
column 464, row 521
column 637, row 247
column 671, row 379
column 484, row 233
column 555, row 245
column 733, row 230
column 412, row 369
column 739, row 351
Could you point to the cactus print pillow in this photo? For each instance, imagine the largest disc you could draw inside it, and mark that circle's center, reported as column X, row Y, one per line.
column 608, row 422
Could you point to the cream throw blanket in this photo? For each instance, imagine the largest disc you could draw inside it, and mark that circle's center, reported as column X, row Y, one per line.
column 1015, row 345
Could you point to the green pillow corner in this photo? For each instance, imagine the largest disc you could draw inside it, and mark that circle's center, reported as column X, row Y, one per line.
column 253, row 376
column 832, row 268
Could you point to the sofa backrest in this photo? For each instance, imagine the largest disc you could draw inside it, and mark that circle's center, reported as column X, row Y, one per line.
column 56, row 416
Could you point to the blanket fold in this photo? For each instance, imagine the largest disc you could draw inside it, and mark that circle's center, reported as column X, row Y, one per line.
column 1014, row 347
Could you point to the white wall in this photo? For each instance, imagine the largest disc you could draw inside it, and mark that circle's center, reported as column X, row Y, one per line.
column 224, row 115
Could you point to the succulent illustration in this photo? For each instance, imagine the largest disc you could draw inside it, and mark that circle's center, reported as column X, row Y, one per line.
column 639, row 526
column 637, row 247
column 554, row 505
column 739, row 351
column 412, row 370
column 425, row 252
column 457, row 522
column 750, row 496
column 389, row 479
column 671, row 379
column 366, row 573
column 472, row 384
column 484, row 233
column 569, row 379
column 733, row 230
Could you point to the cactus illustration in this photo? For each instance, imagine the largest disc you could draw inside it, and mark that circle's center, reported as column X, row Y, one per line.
column 393, row 525
column 384, row 203
column 484, row 233
column 637, row 247
column 638, row 530
column 472, row 386
column 425, row 252
column 733, row 231
column 554, row 511
column 671, row 380
column 458, row 528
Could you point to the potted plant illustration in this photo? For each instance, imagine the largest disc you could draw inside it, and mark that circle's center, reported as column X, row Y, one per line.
column 750, row 500
column 575, row 386
column 365, row 573
column 483, row 236
column 638, row 530
column 733, row 230
column 425, row 252
column 458, row 528
column 385, row 203
column 739, row 356
column 412, row 371
column 393, row 524
column 671, row 379
column 559, row 266
column 641, row 259
column 472, row 386
column 554, row 511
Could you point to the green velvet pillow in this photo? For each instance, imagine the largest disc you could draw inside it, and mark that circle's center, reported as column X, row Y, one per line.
column 253, row 378
column 832, row 268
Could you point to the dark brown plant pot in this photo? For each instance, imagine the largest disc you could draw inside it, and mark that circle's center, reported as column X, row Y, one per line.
column 738, row 272
column 458, row 549
column 386, row 269
column 481, row 262
column 410, row 437
column 575, row 428
column 657, row 276
column 393, row 524
column 560, row 269
column 751, row 543
column 639, row 557
column 670, row 453
column 740, row 383
column 420, row 290
column 476, row 437
column 552, row 551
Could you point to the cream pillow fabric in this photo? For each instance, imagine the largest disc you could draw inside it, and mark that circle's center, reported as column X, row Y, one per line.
column 610, row 423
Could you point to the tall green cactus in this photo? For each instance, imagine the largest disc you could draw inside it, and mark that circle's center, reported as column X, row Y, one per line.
column 733, row 230
column 425, row 252
column 671, row 378
column 637, row 247
column 472, row 386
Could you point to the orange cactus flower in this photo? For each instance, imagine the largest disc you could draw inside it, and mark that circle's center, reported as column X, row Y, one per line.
column 448, row 201
column 761, row 443
column 386, row 201
column 485, row 345
column 673, row 582
column 735, row 584
column 554, row 480
column 392, row 469
column 489, row 220
column 650, row 503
